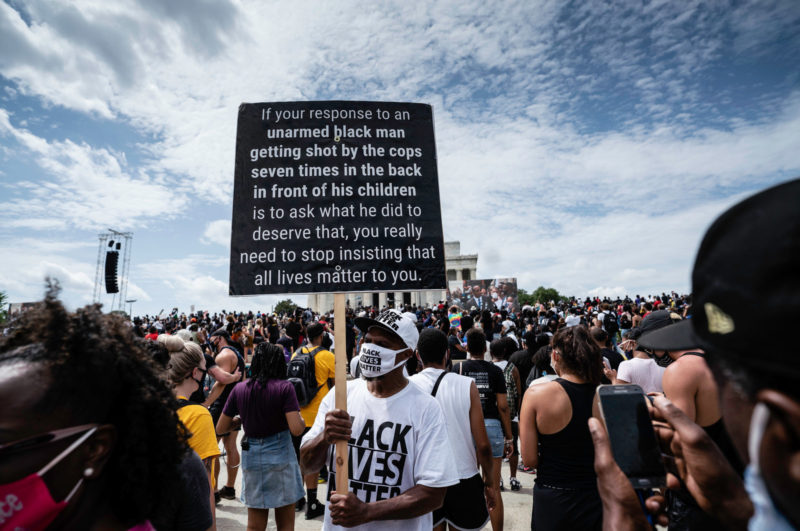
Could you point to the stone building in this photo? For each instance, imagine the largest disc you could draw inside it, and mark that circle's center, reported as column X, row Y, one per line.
column 459, row 267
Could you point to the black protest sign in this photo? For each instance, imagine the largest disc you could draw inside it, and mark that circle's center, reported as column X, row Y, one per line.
column 335, row 196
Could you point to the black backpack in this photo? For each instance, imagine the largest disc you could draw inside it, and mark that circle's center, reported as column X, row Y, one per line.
column 625, row 321
column 610, row 324
column 302, row 374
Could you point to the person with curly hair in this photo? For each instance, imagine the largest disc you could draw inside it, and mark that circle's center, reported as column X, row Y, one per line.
column 270, row 415
column 89, row 435
column 554, row 436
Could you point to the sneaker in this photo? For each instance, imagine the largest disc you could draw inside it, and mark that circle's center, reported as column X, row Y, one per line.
column 502, row 487
column 314, row 509
column 515, row 484
column 301, row 503
column 217, row 497
column 321, row 480
column 229, row 493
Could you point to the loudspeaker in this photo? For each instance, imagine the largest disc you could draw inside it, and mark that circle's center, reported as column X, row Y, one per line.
column 112, row 259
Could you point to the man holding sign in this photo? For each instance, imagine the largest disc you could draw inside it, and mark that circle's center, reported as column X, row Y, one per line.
column 398, row 474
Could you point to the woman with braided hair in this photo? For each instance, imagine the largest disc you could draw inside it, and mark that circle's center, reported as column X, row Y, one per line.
column 89, row 436
column 269, row 411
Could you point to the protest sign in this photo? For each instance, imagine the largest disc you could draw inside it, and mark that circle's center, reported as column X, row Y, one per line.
column 335, row 196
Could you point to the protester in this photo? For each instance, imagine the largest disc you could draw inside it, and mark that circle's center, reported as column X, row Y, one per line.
column 492, row 389
column 642, row 369
column 399, row 483
column 96, row 442
column 466, row 504
column 501, row 350
column 185, row 364
column 229, row 359
column 555, row 440
column 324, row 362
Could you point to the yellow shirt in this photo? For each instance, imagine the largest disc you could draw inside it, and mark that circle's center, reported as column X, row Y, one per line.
column 324, row 363
column 197, row 420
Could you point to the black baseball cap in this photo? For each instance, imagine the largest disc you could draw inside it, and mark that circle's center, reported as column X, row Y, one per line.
column 222, row 332
column 746, row 283
column 652, row 332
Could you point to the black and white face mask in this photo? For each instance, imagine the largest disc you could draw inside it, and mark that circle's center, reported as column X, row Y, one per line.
column 377, row 361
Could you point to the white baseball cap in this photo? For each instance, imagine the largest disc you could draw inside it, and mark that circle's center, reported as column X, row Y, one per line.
column 392, row 321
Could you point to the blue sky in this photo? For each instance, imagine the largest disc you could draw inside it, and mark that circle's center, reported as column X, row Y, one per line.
column 581, row 145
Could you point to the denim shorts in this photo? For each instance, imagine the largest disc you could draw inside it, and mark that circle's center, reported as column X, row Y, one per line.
column 495, row 432
column 270, row 473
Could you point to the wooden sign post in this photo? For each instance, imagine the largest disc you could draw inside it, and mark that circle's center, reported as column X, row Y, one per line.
column 340, row 388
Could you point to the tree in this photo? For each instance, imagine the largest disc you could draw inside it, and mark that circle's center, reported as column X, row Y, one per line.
column 3, row 303
column 545, row 295
column 525, row 298
column 285, row 306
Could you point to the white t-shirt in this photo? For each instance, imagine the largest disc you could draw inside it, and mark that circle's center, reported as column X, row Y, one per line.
column 643, row 372
column 397, row 443
column 572, row 320
column 502, row 364
column 454, row 397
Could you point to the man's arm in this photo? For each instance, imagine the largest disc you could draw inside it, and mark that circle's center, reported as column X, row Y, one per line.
column 313, row 452
column 224, row 377
column 226, row 361
column 505, row 419
column 348, row 510
column 680, row 390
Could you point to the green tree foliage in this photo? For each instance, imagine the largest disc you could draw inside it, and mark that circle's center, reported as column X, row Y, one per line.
column 540, row 294
column 3, row 304
column 285, row 306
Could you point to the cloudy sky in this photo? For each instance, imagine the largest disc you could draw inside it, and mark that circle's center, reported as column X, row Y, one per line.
column 582, row 145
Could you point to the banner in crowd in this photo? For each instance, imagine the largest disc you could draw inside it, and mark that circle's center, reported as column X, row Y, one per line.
column 335, row 196
column 488, row 294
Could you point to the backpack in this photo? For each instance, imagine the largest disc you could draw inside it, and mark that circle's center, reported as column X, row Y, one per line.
column 302, row 375
column 625, row 321
column 511, row 389
column 610, row 324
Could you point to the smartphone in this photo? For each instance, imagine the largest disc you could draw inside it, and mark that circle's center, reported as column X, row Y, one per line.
column 630, row 431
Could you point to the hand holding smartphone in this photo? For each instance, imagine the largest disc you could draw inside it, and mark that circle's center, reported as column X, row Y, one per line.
column 623, row 409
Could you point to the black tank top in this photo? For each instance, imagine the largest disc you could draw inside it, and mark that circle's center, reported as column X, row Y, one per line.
column 219, row 403
column 566, row 458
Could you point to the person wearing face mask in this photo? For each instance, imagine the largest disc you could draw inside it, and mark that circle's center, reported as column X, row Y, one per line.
column 89, row 436
column 185, row 372
column 398, row 473
column 752, row 356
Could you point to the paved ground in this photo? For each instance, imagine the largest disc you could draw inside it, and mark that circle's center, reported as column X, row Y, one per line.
column 232, row 515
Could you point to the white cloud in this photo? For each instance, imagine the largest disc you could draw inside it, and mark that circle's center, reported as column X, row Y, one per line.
column 90, row 188
column 586, row 135
column 218, row 232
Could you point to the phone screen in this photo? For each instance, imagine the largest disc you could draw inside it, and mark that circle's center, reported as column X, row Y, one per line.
column 633, row 441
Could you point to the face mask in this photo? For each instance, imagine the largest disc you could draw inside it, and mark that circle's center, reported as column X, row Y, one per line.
column 664, row 360
column 202, row 379
column 766, row 516
column 377, row 361
column 27, row 503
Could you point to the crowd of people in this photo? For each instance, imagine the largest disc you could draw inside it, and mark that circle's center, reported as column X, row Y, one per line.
column 117, row 424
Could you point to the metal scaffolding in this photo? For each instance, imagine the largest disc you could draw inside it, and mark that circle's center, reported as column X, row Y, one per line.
column 125, row 240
